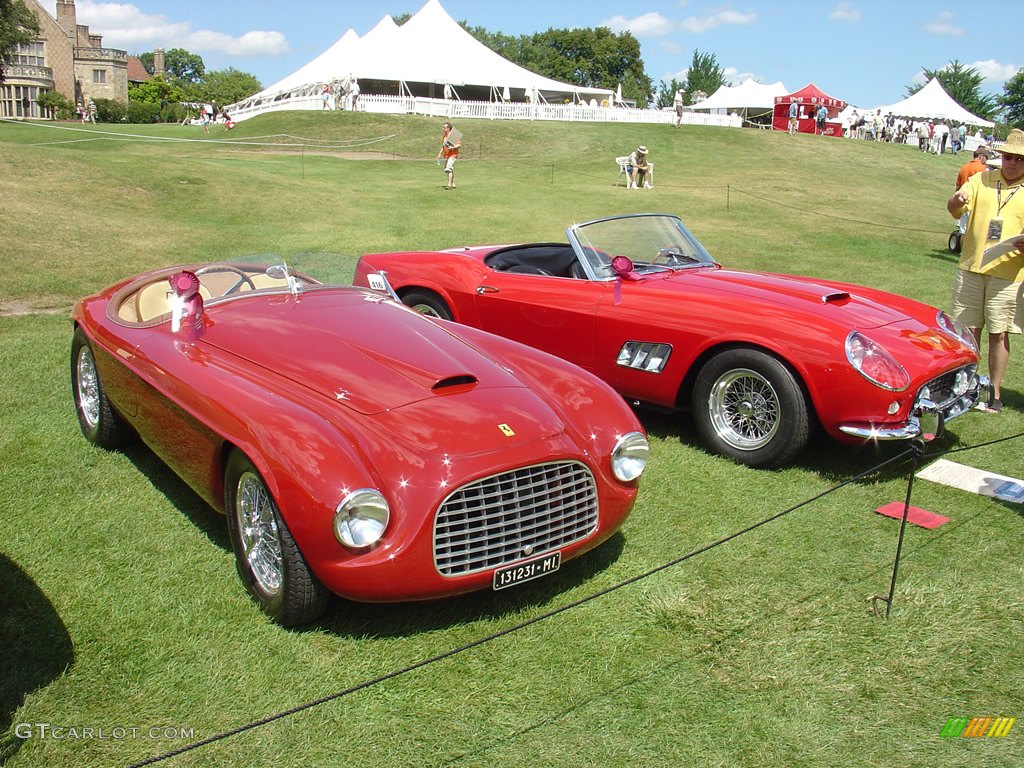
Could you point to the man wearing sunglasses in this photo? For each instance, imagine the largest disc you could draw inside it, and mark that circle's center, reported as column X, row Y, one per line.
column 987, row 287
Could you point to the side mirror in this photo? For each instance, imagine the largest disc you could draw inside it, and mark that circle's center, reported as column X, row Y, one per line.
column 280, row 272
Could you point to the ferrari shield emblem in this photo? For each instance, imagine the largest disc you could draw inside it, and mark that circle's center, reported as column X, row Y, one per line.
column 506, row 430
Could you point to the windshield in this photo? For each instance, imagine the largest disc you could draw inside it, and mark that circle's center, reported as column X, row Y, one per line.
column 653, row 242
column 150, row 299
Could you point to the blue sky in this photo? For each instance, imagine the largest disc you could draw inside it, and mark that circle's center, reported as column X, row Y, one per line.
column 865, row 52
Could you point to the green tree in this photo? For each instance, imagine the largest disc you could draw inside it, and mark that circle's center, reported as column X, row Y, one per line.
column 56, row 104
column 590, row 58
column 184, row 66
column 18, row 26
column 229, row 85
column 1012, row 100
column 667, row 92
column 147, row 62
column 155, row 90
column 704, row 75
column 963, row 84
column 594, row 58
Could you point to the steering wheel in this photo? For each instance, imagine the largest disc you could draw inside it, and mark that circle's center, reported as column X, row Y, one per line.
column 216, row 268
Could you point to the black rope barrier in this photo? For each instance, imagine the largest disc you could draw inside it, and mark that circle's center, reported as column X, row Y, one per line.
column 915, row 454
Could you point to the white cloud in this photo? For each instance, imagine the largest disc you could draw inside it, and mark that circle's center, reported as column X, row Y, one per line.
column 943, row 26
column 734, row 77
column 700, row 24
column 994, row 75
column 648, row 25
column 124, row 26
column 845, row 12
column 994, row 71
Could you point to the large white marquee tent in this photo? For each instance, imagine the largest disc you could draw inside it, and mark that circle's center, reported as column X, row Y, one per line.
column 933, row 102
column 430, row 55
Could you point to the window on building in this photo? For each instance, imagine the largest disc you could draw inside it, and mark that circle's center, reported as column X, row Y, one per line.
column 19, row 101
column 99, row 76
column 30, row 54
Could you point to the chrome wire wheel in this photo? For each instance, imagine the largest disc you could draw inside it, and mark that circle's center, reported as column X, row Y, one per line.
column 744, row 409
column 427, row 303
column 426, row 309
column 88, row 388
column 259, row 534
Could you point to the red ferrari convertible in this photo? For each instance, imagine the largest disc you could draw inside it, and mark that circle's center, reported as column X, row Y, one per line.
column 758, row 358
column 355, row 446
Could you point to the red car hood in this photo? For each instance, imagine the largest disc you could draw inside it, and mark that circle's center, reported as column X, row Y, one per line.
column 341, row 343
column 756, row 289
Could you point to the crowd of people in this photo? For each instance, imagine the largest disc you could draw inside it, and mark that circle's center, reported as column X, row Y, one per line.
column 340, row 94
column 934, row 136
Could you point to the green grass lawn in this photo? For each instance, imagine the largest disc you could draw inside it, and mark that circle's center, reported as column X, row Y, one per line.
column 120, row 607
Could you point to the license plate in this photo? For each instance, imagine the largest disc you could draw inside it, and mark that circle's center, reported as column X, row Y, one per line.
column 527, row 570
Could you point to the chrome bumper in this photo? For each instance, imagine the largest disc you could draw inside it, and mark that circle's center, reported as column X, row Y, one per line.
column 927, row 411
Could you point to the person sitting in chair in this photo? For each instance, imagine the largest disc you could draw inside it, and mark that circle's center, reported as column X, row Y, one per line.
column 639, row 169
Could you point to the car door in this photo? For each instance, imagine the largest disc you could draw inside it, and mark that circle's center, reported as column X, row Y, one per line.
column 555, row 314
column 640, row 340
column 168, row 402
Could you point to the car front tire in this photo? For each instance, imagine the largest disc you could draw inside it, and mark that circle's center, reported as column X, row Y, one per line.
column 100, row 423
column 268, row 559
column 429, row 304
column 749, row 406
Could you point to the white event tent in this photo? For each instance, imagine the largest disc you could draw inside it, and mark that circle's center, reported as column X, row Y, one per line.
column 430, row 55
column 744, row 97
column 933, row 102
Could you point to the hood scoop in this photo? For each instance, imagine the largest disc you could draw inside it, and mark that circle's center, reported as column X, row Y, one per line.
column 460, row 382
column 835, row 298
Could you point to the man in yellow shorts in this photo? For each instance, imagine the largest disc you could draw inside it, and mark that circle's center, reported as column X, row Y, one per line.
column 986, row 289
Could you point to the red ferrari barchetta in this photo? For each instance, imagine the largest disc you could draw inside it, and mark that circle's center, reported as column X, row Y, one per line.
column 355, row 446
column 758, row 358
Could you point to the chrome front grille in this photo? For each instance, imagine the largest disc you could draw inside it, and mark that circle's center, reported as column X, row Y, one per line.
column 948, row 390
column 506, row 517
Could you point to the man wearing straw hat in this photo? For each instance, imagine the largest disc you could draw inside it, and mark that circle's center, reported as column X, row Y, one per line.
column 987, row 286
column 639, row 169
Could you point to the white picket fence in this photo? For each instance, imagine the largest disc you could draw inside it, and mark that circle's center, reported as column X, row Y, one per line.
column 482, row 110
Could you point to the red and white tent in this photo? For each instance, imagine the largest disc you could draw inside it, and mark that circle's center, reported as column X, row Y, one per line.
column 808, row 99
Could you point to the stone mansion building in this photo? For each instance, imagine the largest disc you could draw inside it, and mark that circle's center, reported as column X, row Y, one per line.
column 67, row 58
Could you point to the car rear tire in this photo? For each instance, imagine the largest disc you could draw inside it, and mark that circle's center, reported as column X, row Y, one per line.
column 268, row 559
column 429, row 304
column 100, row 423
column 954, row 242
column 749, row 406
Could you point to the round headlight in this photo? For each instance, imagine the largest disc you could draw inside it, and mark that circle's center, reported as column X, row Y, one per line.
column 361, row 518
column 629, row 458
